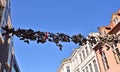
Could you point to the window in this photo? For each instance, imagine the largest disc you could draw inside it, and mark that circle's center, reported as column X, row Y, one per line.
column 116, row 53
column 83, row 54
column 68, row 69
column 76, row 60
column 95, row 66
column 90, row 66
column 83, row 70
column 86, row 50
column 90, row 46
column 116, row 20
column 86, row 69
column 105, row 62
column 74, row 63
column 80, row 57
column 78, row 70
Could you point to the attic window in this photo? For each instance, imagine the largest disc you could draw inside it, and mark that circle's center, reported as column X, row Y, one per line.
column 116, row 20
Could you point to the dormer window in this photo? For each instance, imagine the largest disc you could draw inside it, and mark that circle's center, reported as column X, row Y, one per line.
column 68, row 69
column 116, row 20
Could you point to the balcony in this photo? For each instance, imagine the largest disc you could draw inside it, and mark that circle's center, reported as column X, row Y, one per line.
column 2, row 3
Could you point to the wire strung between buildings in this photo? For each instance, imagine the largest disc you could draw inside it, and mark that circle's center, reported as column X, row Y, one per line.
column 28, row 35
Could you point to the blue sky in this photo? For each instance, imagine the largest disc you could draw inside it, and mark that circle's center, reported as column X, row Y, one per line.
column 67, row 16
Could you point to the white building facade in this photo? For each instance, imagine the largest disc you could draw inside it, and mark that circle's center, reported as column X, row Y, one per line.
column 82, row 59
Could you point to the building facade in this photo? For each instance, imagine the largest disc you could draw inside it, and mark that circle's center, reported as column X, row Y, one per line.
column 7, row 58
column 98, row 58
column 109, row 59
column 82, row 59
